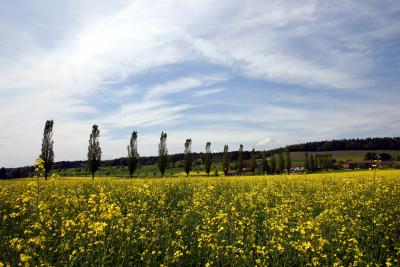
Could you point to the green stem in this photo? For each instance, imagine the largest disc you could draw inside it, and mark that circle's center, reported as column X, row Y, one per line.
column 37, row 197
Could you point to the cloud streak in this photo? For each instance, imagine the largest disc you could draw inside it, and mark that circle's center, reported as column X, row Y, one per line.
column 287, row 70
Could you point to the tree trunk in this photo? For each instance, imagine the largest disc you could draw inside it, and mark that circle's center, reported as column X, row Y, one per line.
column 45, row 175
column 92, row 175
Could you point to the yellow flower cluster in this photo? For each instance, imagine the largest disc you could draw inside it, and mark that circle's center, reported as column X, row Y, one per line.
column 334, row 219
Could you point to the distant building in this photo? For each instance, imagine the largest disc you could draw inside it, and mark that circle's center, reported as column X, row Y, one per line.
column 357, row 164
column 297, row 168
column 365, row 164
column 247, row 171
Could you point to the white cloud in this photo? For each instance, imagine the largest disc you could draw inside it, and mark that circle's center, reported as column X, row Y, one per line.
column 55, row 63
column 265, row 141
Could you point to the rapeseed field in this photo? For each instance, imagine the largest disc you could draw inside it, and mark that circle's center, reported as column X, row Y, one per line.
column 335, row 219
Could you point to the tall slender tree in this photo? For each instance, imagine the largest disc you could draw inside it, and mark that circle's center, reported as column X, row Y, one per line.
column 133, row 155
column 225, row 160
column 163, row 154
column 281, row 162
column 265, row 165
column 253, row 161
column 240, row 159
column 47, row 154
column 306, row 162
column 188, row 160
column 330, row 164
column 273, row 164
column 208, row 158
column 94, row 150
column 288, row 161
column 312, row 163
column 317, row 164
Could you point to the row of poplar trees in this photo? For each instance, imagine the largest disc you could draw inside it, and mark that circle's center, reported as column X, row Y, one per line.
column 317, row 161
column 47, row 152
column 274, row 164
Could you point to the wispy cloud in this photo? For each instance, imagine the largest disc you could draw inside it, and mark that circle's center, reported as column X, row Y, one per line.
column 182, row 85
column 127, row 91
column 207, row 92
column 148, row 113
column 288, row 70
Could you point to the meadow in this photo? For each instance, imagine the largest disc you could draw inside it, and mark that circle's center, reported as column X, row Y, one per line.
column 339, row 219
column 149, row 170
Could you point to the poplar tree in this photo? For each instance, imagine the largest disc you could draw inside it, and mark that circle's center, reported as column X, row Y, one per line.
column 162, row 154
column 273, row 164
column 312, row 163
column 208, row 158
column 281, row 162
column 225, row 160
column 94, row 150
column 240, row 159
column 253, row 161
column 288, row 161
column 306, row 162
column 133, row 155
column 47, row 154
column 265, row 167
column 188, row 160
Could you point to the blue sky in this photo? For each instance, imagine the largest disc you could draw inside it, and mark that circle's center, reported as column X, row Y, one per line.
column 261, row 73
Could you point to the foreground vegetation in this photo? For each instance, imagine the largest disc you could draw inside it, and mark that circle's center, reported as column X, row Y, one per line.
column 322, row 219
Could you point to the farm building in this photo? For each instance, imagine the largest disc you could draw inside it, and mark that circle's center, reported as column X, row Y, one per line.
column 297, row 168
column 364, row 164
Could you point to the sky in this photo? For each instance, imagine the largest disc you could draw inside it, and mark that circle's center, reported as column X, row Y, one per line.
column 263, row 74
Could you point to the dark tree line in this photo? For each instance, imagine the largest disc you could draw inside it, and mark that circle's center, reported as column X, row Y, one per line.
column 21, row 172
column 386, row 143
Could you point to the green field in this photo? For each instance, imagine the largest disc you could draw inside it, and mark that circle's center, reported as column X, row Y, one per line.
column 344, row 155
column 152, row 170
column 142, row 171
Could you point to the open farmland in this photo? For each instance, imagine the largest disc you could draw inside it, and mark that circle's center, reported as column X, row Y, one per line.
column 339, row 218
column 344, row 154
